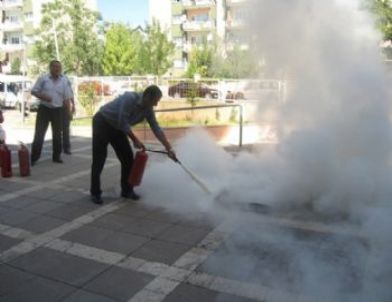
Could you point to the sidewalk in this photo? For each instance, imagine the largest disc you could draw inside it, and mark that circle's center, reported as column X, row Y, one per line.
column 55, row 245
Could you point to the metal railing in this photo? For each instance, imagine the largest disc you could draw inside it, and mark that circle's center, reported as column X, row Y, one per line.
column 240, row 121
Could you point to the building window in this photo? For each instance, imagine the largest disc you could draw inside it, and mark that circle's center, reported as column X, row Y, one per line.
column 12, row 19
column 15, row 40
column 28, row 16
column 200, row 18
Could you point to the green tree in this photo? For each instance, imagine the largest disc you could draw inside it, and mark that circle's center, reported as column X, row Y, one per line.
column 88, row 98
column 157, row 51
column 200, row 61
column 383, row 12
column 76, row 28
column 3, row 59
column 237, row 63
column 15, row 66
column 122, row 51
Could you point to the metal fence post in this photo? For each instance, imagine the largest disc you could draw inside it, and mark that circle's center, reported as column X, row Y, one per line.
column 241, row 125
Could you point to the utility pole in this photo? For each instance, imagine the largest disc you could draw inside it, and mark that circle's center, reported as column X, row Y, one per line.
column 55, row 38
column 22, row 95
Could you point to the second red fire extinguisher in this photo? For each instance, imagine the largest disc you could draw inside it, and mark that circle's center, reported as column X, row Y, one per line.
column 5, row 159
column 24, row 161
column 137, row 170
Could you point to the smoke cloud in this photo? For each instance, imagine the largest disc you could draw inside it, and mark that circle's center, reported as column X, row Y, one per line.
column 332, row 163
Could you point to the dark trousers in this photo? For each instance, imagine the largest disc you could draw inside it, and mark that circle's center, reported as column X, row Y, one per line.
column 66, row 129
column 104, row 134
column 45, row 116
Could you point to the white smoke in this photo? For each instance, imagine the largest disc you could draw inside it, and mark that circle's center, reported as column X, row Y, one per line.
column 333, row 157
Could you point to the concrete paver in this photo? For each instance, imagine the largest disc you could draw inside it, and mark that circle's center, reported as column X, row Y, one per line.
column 118, row 283
column 11, row 279
column 42, row 224
column 120, row 242
column 85, row 296
column 38, row 289
column 59, row 266
column 7, row 242
column 161, row 251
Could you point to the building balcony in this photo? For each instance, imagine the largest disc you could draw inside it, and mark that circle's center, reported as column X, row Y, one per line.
column 11, row 4
column 196, row 4
column 236, row 2
column 197, row 25
column 11, row 26
column 189, row 46
column 9, row 47
column 177, row 20
column 230, row 45
column 235, row 24
column 6, row 68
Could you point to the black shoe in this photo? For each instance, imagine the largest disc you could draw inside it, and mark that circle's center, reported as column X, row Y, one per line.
column 33, row 162
column 130, row 195
column 68, row 152
column 96, row 199
column 58, row 160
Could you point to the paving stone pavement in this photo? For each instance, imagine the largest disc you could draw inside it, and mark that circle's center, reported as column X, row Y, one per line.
column 55, row 245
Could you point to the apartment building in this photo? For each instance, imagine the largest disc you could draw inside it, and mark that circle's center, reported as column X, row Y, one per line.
column 190, row 23
column 18, row 20
column 235, row 25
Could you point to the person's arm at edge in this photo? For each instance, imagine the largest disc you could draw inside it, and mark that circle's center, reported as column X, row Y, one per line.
column 70, row 98
column 136, row 142
column 160, row 135
column 36, row 91
column 42, row 96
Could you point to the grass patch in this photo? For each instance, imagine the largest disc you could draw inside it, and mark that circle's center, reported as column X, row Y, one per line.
column 83, row 121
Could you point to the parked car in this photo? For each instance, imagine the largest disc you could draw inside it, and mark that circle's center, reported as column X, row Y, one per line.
column 30, row 102
column 99, row 87
column 8, row 95
column 192, row 89
column 256, row 90
column 235, row 95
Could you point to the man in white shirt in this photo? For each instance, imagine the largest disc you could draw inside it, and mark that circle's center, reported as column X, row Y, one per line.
column 53, row 91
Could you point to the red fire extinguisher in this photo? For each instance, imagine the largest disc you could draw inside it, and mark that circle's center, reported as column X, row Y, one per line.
column 5, row 156
column 137, row 170
column 24, row 162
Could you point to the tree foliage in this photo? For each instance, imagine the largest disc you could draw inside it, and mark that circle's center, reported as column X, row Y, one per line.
column 383, row 13
column 235, row 63
column 75, row 25
column 88, row 98
column 156, row 51
column 15, row 66
column 122, row 50
column 200, row 62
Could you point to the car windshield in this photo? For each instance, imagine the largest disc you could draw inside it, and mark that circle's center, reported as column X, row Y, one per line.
column 12, row 87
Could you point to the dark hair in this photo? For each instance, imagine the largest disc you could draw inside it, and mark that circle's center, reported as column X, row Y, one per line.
column 152, row 92
column 54, row 62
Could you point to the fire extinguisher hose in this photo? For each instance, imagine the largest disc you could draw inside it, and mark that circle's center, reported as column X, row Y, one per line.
column 193, row 176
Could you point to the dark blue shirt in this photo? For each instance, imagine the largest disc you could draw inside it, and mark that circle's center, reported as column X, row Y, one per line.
column 126, row 111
